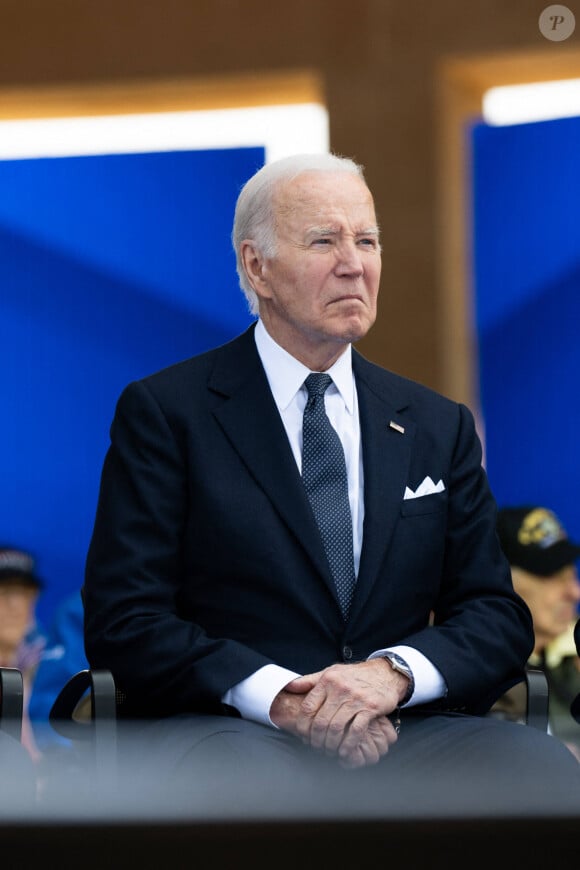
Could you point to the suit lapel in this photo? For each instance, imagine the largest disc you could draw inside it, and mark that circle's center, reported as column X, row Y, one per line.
column 248, row 415
column 386, row 459
column 250, row 419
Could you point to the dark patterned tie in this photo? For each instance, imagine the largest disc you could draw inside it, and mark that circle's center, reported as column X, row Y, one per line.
column 325, row 480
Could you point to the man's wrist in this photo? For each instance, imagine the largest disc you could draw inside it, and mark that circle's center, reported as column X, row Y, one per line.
column 399, row 665
column 253, row 696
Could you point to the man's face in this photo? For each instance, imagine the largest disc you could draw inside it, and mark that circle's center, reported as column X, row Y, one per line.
column 17, row 602
column 319, row 291
column 553, row 601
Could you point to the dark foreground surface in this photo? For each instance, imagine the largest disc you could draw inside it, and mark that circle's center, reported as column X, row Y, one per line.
column 416, row 843
column 122, row 804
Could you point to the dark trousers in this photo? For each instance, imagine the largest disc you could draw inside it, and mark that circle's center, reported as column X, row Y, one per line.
column 442, row 764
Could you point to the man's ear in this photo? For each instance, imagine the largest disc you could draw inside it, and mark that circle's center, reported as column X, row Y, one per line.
column 253, row 262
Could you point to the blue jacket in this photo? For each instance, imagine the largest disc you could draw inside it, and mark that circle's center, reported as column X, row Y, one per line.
column 63, row 656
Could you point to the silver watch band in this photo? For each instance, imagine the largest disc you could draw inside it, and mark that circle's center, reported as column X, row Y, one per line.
column 399, row 664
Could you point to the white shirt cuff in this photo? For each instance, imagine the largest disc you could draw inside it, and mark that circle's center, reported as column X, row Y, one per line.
column 253, row 697
column 429, row 684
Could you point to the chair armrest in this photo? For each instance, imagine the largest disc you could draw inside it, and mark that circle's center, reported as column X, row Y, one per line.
column 70, row 715
column 537, row 700
column 11, row 702
column 85, row 712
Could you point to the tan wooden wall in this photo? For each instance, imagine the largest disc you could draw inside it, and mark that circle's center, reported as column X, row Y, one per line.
column 397, row 77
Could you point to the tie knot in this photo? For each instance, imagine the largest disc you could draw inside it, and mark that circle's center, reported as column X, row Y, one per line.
column 317, row 383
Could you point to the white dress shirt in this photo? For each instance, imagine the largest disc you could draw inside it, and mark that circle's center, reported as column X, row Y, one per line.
column 253, row 696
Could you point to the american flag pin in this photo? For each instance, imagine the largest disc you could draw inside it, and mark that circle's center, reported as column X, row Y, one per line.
column 396, row 427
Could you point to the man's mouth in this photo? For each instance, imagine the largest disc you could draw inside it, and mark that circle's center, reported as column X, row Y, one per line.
column 348, row 297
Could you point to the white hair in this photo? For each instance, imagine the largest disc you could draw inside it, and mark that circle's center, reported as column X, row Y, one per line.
column 254, row 215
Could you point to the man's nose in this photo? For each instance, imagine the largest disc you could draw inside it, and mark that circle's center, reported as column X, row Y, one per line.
column 349, row 260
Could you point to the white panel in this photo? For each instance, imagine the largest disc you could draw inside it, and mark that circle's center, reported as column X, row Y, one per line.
column 282, row 130
column 539, row 101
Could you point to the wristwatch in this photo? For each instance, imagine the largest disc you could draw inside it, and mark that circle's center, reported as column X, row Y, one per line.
column 399, row 664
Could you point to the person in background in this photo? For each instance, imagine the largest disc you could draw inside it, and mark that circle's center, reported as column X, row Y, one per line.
column 543, row 565
column 21, row 641
column 575, row 707
column 63, row 656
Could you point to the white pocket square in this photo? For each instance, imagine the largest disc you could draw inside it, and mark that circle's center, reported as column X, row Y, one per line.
column 427, row 487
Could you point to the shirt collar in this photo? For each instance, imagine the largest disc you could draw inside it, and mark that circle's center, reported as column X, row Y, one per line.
column 561, row 647
column 286, row 374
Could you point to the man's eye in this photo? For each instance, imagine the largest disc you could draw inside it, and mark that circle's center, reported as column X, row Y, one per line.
column 370, row 243
column 323, row 241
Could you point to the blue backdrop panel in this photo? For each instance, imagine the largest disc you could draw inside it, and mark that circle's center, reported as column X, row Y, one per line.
column 111, row 268
column 526, row 183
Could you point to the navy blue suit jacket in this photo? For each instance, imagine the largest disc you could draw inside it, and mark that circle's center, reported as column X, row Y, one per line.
column 206, row 562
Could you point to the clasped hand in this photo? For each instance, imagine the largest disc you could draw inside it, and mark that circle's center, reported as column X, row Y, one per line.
column 343, row 710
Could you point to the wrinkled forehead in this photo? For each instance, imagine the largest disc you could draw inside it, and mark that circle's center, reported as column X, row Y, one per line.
column 313, row 196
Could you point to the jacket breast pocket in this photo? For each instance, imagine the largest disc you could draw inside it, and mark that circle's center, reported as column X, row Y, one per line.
column 426, row 504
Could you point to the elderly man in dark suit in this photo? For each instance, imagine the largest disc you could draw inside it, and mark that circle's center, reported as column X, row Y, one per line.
column 294, row 547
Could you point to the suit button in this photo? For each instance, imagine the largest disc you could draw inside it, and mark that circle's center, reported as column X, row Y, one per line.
column 346, row 653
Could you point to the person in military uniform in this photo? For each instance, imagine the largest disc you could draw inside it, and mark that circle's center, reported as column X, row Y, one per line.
column 544, row 572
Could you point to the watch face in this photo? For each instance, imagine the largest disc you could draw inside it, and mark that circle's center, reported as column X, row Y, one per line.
column 399, row 664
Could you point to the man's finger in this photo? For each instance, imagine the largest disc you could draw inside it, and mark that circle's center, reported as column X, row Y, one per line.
column 374, row 737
